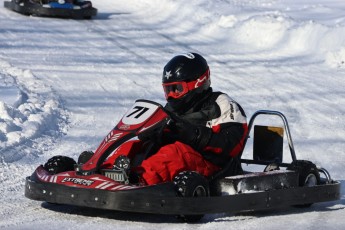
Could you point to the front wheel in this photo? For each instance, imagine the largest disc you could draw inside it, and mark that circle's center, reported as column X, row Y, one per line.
column 191, row 184
column 58, row 164
column 85, row 156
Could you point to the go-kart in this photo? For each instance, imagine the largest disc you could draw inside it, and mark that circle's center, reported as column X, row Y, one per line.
column 76, row 9
column 91, row 183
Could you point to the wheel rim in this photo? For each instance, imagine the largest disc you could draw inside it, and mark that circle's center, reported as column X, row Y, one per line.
column 199, row 191
column 310, row 180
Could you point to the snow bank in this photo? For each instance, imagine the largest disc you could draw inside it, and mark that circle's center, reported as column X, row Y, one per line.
column 336, row 59
column 29, row 111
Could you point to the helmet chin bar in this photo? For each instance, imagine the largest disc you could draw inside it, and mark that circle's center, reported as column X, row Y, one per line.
column 183, row 104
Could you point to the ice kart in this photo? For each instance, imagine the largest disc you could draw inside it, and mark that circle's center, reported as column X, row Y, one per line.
column 76, row 9
column 92, row 183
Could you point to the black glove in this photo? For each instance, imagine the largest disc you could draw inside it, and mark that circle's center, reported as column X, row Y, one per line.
column 152, row 134
column 190, row 134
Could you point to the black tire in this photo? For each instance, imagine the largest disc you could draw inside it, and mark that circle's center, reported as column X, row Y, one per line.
column 58, row 164
column 191, row 184
column 85, row 157
column 308, row 176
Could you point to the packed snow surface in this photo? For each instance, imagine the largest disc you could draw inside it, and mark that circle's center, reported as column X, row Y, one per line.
column 65, row 83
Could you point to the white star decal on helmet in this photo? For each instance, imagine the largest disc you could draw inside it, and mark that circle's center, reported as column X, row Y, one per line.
column 168, row 74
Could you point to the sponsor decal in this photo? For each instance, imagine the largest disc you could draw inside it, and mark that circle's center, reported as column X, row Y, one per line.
column 78, row 181
column 200, row 81
column 124, row 127
column 232, row 111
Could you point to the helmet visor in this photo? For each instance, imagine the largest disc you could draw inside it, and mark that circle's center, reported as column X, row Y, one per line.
column 175, row 89
column 179, row 89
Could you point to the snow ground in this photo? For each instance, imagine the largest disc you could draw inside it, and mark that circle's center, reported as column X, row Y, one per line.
column 65, row 83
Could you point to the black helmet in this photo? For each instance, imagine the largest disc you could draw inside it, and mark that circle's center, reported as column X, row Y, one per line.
column 186, row 78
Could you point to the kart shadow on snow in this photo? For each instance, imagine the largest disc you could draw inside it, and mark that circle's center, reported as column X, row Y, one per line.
column 108, row 214
column 106, row 16
column 223, row 217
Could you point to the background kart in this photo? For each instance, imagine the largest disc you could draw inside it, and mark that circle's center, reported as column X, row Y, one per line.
column 75, row 10
column 90, row 184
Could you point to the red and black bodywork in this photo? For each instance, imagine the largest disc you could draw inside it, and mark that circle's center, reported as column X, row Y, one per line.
column 280, row 184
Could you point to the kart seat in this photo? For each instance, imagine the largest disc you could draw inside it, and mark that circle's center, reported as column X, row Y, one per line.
column 268, row 144
column 267, row 149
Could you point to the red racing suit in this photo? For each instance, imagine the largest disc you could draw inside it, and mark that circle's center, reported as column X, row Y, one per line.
column 220, row 130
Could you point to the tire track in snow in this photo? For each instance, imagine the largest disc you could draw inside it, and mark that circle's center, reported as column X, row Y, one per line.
column 140, row 47
column 114, row 37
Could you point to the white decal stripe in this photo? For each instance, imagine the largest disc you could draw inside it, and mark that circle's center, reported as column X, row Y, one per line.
column 97, row 178
column 101, row 185
column 122, row 187
column 115, row 137
column 127, row 187
column 65, row 174
column 106, row 186
column 117, row 187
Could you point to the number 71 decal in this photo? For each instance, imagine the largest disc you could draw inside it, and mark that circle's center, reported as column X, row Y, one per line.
column 138, row 110
column 139, row 113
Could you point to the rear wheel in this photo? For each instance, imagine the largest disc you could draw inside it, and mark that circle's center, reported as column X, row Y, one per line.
column 191, row 184
column 309, row 176
column 311, row 180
